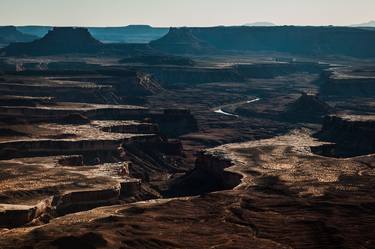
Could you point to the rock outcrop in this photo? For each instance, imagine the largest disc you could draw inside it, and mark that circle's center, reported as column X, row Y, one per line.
column 57, row 41
column 75, row 201
column 351, row 134
column 18, row 215
column 209, row 175
column 175, row 122
column 307, row 108
column 181, row 41
column 289, row 39
column 348, row 83
column 287, row 198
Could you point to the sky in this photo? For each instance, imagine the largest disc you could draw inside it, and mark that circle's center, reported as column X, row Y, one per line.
column 167, row 13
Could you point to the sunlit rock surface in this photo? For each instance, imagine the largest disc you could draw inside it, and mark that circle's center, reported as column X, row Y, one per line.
column 287, row 197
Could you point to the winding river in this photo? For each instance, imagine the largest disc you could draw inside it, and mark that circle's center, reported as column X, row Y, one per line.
column 221, row 111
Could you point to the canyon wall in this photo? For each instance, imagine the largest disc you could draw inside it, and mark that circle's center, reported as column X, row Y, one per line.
column 353, row 135
column 288, row 39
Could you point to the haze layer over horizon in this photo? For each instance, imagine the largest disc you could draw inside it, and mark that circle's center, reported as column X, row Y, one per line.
column 165, row 13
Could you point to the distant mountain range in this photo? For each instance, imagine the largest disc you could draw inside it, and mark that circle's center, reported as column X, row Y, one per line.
column 126, row 34
column 367, row 24
column 260, row 24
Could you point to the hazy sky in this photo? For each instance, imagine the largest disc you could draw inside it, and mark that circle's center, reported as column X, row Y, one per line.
column 184, row 12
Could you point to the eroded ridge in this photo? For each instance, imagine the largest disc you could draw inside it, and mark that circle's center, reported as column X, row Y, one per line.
column 70, row 144
column 288, row 197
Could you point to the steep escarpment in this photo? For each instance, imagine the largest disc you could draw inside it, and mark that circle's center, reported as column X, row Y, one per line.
column 346, row 82
column 208, row 175
column 69, row 128
column 289, row 39
column 91, row 83
column 176, row 122
column 57, row 41
column 308, row 107
column 288, row 198
column 351, row 134
column 350, row 89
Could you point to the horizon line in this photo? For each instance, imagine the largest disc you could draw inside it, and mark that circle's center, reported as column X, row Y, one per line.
column 184, row 26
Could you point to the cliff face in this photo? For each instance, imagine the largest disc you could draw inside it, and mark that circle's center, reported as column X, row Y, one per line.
column 297, row 40
column 57, row 41
column 307, row 108
column 175, row 122
column 209, row 175
column 349, row 87
column 353, row 135
column 287, row 197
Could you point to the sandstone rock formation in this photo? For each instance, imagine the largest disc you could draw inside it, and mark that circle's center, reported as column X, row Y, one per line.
column 289, row 39
column 100, row 154
column 78, row 146
column 290, row 198
column 58, row 41
column 127, row 34
column 352, row 134
column 346, row 82
column 181, row 41
column 307, row 108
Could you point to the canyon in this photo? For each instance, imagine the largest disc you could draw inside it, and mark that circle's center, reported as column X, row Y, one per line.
column 186, row 143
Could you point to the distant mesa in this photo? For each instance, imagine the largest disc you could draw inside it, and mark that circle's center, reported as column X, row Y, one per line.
column 60, row 40
column 127, row 34
column 181, row 41
column 9, row 34
column 308, row 41
column 260, row 24
column 295, row 40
